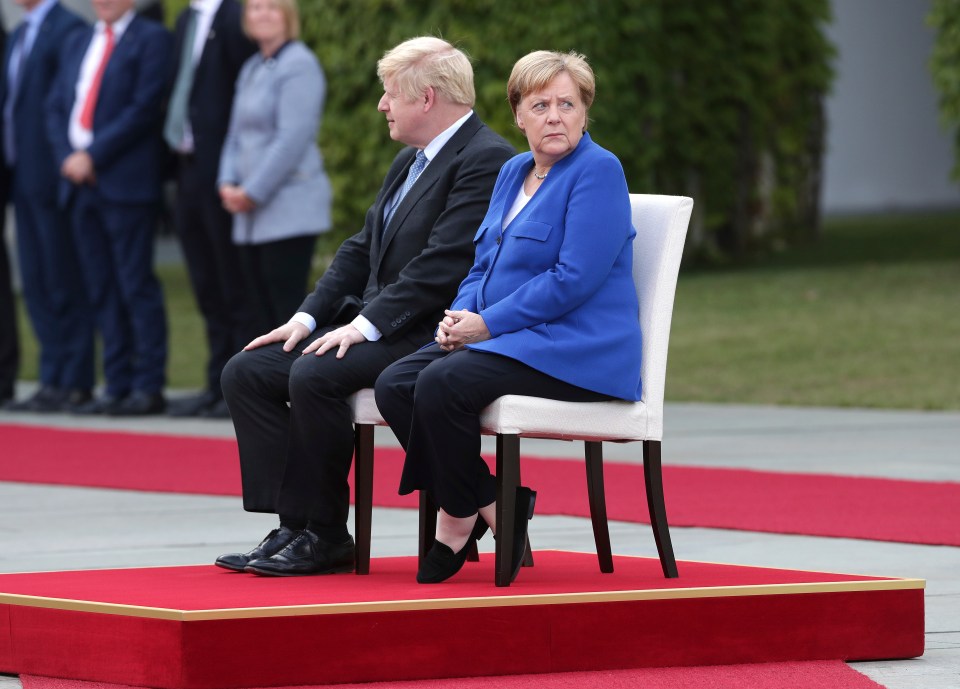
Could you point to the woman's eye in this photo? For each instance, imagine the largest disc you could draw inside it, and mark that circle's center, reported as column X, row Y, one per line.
column 539, row 107
column 566, row 105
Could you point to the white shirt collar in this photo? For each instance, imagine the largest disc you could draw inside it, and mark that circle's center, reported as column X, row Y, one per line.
column 118, row 26
column 433, row 148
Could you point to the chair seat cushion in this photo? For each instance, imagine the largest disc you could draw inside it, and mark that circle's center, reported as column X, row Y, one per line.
column 535, row 417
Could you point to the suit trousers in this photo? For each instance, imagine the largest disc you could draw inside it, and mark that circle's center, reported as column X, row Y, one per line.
column 54, row 294
column 433, row 399
column 276, row 275
column 295, row 428
column 213, row 262
column 9, row 338
column 115, row 242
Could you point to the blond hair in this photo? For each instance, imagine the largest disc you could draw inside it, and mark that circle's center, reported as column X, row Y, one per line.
column 426, row 61
column 291, row 17
column 537, row 69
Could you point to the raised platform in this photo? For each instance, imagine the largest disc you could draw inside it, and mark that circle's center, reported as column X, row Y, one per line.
column 205, row 628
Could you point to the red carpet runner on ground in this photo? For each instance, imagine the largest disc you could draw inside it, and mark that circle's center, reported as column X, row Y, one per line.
column 810, row 504
column 830, row 674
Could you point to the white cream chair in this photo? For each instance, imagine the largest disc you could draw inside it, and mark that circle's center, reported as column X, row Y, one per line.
column 661, row 223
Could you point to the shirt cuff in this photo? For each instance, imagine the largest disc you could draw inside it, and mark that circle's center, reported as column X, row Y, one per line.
column 366, row 328
column 305, row 319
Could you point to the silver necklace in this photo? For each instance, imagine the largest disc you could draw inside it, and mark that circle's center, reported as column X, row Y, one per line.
column 540, row 177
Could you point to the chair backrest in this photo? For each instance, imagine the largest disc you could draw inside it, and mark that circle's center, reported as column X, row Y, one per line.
column 661, row 223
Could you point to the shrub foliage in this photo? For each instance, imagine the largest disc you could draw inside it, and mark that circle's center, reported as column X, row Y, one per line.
column 720, row 100
column 945, row 65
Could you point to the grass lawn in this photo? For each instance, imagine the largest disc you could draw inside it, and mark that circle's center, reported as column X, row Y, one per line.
column 869, row 317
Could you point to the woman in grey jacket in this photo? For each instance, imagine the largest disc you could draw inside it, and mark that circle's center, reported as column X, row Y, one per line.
column 271, row 171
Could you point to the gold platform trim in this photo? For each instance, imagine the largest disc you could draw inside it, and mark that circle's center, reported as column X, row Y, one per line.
column 359, row 607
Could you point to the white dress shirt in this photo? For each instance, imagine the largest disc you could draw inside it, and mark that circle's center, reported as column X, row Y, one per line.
column 80, row 136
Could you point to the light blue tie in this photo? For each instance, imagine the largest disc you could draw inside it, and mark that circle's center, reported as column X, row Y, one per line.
column 180, row 98
column 419, row 163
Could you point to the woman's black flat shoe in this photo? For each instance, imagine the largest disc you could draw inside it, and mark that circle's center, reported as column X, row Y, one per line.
column 441, row 562
column 526, row 499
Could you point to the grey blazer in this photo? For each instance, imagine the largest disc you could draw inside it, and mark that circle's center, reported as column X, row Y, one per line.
column 271, row 147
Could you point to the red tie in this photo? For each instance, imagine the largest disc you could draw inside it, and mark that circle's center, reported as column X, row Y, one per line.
column 86, row 115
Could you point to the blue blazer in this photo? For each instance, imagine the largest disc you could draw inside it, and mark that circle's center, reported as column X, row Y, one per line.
column 555, row 288
column 127, row 150
column 37, row 173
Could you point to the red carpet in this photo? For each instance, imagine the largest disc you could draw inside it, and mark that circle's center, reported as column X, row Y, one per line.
column 201, row 627
column 810, row 504
column 831, row 674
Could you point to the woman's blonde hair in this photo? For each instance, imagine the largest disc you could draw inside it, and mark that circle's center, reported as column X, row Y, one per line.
column 537, row 69
column 427, row 61
column 291, row 17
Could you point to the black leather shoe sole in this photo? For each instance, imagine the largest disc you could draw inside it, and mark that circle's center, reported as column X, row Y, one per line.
column 526, row 500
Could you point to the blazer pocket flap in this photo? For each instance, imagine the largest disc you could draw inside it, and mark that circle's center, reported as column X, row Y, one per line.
column 532, row 230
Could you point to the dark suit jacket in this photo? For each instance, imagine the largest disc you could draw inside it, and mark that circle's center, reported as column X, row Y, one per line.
column 211, row 97
column 404, row 281
column 127, row 148
column 37, row 170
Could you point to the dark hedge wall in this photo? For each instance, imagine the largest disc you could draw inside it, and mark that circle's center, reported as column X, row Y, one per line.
column 717, row 99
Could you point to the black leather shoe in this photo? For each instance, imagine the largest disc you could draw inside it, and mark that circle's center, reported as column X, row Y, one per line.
column 46, row 399
column 75, row 398
column 101, row 405
column 218, row 410
column 441, row 562
column 193, row 406
column 140, row 404
column 306, row 554
column 276, row 540
column 526, row 499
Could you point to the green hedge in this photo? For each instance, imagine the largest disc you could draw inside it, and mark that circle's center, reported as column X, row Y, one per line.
column 945, row 65
column 719, row 100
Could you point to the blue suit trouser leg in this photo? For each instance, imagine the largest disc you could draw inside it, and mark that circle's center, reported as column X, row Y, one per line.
column 54, row 294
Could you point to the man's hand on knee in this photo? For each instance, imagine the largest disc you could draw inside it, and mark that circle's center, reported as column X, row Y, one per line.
column 342, row 338
column 289, row 333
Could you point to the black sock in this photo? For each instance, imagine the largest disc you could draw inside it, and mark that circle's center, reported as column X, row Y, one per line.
column 293, row 524
column 330, row 534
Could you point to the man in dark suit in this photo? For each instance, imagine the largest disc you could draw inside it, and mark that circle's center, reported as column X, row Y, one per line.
column 379, row 300
column 210, row 48
column 50, row 273
column 9, row 338
column 104, row 122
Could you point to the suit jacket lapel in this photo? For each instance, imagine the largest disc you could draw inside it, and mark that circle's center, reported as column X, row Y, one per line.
column 429, row 176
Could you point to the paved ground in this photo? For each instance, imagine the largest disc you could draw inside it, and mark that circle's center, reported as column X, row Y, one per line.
column 49, row 528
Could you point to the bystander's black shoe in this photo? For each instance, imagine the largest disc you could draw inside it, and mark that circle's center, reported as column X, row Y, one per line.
column 306, row 554
column 73, row 399
column 276, row 540
column 218, row 410
column 106, row 404
column 140, row 404
column 195, row 405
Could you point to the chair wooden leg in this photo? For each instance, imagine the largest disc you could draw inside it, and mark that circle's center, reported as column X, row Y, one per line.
column 593, row 453
column 362, row 494
column 508, row 478
column 653, row 480
column 428, row 526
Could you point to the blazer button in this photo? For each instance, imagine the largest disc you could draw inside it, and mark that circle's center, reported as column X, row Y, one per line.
column 499, row 239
